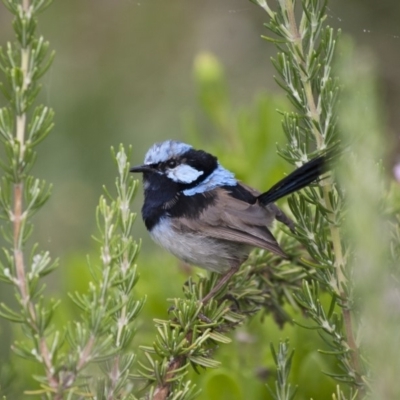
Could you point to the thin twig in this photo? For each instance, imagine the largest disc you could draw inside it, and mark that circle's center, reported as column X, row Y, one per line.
column 162, row 391
column 86, row 353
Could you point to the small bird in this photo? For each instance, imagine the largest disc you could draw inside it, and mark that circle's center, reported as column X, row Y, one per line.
column 198, row 211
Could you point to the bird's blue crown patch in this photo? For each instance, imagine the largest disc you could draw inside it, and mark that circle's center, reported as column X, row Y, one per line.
column 163, row 151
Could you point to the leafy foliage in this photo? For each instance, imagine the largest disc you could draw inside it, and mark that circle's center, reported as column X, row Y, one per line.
column 304, row 65
column 108, row 309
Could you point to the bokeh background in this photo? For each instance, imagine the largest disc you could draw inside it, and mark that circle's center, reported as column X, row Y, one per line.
column 124, row 72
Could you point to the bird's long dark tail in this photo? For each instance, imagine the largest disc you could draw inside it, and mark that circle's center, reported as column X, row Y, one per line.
column 298, row 179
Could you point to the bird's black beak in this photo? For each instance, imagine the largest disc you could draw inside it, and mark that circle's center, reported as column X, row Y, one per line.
column 142, row 168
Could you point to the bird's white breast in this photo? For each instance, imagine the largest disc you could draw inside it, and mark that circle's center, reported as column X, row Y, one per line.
column 196, row 249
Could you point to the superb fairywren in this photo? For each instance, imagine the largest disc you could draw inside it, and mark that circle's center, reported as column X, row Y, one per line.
column 198, row 211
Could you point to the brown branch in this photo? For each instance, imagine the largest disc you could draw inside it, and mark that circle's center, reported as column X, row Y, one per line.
column 26, row 5
column 162, row 391
column 85, row 355
column 18, row 255
column 23, row 288
column 114, row 376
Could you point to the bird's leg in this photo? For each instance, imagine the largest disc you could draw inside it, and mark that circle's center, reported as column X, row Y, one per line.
column 224, row 279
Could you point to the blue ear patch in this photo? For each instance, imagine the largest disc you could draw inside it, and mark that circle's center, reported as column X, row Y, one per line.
column 163, row 151
column 220, row 177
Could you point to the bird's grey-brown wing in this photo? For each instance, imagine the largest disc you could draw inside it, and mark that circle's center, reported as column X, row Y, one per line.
column 234, row 220
column 273, row 208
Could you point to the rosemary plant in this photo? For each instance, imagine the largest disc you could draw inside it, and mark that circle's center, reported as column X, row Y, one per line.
column 22, row 128
column 195, row 330
column 283, row 360
column 109, row 308
column 304, row 65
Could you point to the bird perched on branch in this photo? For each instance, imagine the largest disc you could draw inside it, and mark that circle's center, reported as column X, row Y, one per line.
column 198, row 211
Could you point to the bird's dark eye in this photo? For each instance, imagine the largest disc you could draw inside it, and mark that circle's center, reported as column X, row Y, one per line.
column 171, row 163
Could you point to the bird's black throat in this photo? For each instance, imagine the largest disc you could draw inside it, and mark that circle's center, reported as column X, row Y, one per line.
column 163, row 197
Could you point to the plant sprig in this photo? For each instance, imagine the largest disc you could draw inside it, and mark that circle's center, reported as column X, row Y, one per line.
column 304, row 65
column 22, row 127
column 283, row 360
column 109, row 308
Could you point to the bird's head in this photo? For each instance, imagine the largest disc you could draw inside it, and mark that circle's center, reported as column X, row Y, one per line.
column 179, row 165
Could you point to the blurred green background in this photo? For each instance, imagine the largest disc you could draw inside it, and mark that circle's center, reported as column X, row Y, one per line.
column 124, row 72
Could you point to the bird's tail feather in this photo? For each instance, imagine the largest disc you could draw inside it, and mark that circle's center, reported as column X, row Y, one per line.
column 298, row 179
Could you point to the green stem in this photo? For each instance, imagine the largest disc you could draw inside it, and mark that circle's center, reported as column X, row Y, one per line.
column 312, row 111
